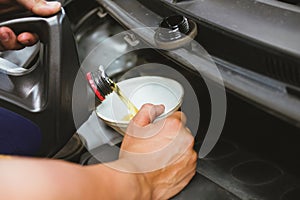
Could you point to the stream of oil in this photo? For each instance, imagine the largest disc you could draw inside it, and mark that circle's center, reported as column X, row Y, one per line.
column 131, row 107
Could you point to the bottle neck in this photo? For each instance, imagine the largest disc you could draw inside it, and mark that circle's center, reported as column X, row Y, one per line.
column 100, row 83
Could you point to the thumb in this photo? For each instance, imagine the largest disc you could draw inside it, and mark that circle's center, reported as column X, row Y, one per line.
column 41, row 7
column 147, row 114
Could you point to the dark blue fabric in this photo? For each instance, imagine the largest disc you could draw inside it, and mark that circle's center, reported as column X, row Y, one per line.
column 18, row 135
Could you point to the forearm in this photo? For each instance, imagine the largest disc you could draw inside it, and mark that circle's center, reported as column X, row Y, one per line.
column 117, row 183
column 52, row 179
column 23, row 178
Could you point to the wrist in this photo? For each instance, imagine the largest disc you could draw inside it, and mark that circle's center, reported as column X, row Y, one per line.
column 120, row 180
column 133, row 182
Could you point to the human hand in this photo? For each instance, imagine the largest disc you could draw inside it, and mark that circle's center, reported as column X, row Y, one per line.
column 161, row 152
column 8, row 39
column 157, row 161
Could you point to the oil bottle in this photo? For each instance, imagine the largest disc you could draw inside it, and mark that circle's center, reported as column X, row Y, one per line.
column 102, row 85
column 36, row 100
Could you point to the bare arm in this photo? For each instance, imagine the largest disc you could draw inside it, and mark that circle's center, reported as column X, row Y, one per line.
column 26, row 178
column 156, row 161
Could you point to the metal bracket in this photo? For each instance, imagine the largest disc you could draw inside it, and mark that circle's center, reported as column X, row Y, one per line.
column 131, row 39
column 101, row 12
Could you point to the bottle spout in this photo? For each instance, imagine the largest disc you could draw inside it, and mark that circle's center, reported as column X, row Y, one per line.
column 100, row 83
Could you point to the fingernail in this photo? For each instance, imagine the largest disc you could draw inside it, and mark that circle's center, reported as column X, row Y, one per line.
column 4, row 37
column 162, row 107
column 53, row 4
column 26, row 42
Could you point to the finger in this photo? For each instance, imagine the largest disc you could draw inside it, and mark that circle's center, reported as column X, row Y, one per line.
column 8, row 39
column 41, row 7
column 27, row 39
column 147, row 114
column 178, row 115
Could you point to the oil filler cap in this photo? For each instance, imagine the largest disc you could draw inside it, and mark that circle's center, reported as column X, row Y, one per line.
column 175, row 31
